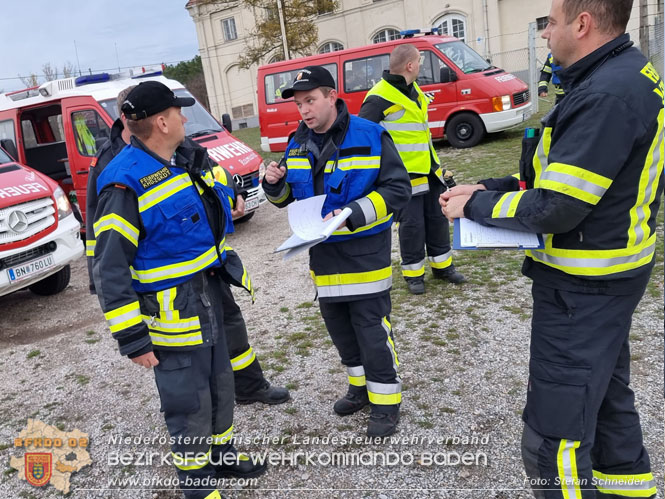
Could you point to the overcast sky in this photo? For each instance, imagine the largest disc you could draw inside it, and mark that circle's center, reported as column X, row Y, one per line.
column 34, row 32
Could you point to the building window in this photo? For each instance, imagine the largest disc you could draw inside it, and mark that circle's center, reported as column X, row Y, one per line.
column 229, row 27
column 452, row 25
column 385, row 35
column 246, row 111
column 541, row 23
column 330, row 47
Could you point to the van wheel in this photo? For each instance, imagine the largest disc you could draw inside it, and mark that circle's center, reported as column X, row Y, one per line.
column 244, row 219
column 464, row 130
column 53, row 284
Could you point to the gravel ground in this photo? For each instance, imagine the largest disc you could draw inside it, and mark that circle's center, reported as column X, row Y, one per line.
column 463, row 354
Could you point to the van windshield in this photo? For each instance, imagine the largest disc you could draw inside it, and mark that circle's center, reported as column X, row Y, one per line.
column 4, row 158
column 464, row 57
column 199, row 121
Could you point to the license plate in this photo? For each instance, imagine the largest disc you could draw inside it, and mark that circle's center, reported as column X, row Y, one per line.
column 29, row 269
column 252, row 204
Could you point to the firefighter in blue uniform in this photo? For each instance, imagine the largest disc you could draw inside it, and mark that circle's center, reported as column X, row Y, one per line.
column 354, row 162
column 158, row 266
column 593, row 188
column 549, row 72
column 250, row 383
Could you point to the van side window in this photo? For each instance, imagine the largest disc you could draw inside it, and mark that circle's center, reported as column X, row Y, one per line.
column 90, row 131
column 7, row 131
column 363, row 74
column 430, row 68
column 275, row 83
column 29, row 137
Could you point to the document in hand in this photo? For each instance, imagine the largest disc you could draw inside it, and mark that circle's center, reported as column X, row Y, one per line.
column 307, row 225
column 468, row 234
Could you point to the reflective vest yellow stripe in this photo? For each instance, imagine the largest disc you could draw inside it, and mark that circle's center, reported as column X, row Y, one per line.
column 575, row 182
column 419, row 184
column 90, row 246
column 639, row 485
column 118, row 224
column 356, row 283
column 345, row 231
column 567, row 468
column 384, row 393
column 175, row 270
column 167, row 310
column 124, row 317
column 176, row 340
column 406, row 121
column 188, row 325
column 163, row 191
column 507, row 204
column 298, row 164
column 355, row 163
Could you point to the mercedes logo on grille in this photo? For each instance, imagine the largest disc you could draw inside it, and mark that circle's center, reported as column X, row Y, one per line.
column 238, row 180
column 17, row 221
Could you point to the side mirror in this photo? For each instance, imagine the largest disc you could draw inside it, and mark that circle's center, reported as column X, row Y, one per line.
column 226, row 122
column 447, row 75
column 489, row 61
column 9, row 146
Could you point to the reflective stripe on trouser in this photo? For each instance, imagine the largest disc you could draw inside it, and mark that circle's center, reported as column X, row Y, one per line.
column 580, row 414
column 362, row 339
column 424, row 230
column 196, row 393
column 247, row 372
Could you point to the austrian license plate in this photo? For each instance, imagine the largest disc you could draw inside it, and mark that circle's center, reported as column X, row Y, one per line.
column 251, row 204
column 29, row 269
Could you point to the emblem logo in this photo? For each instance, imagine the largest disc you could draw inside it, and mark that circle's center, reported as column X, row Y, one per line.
column 17, row 221
column 238, row 180
column 38, row 468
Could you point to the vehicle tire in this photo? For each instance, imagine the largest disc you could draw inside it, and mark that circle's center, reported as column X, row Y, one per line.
column 464, row 130
column 53, row 284
column 244, row 219
column 226, row 122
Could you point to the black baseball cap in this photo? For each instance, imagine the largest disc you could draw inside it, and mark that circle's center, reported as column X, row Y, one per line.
column 308, row 78
column 151, row 97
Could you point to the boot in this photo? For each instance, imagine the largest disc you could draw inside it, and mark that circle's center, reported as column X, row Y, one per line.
column 354, row 400
column 271, row 395
column 449, row 274
column 241, row 467
column 383, row 422
column 416, row 286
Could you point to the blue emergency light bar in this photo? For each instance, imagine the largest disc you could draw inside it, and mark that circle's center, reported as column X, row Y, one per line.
column 90, row 79
column 410, row 33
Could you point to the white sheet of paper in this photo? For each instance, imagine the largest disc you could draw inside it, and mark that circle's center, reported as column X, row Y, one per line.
column 474, row 235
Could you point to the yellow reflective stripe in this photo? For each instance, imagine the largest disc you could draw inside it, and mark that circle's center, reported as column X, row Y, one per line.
column 90, row 246
column 163, row 191
column 188, row 325
column 441, row 265
column 177, row 269
column 344, row 231
column 353, row 278
column 384, row 393
column 379, row 204
column 574, row 181
column 243, row 360
column 392, row 109
column 540, row 160
column 382, row 399
column 640, row 213
column 355, row 163
column 222, row 438
column 516, row 175
column 298, row 164
column 195, row 463
column 176, row 340
column 285, row 194
column 124, row 317
column 414, row 269
column 420, row 180
column 507, row 204
column 638, row 485
column 357, row 380
column 166, row 298
column 498, row 207
column 118, row 224
column 570, row 191
column 567, row 468
column 213, row 495
column 220, row 174
column 391, row 344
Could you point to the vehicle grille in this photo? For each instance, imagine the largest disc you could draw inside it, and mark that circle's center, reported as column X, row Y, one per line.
column 520, row 98
column 39, row 212
column 245, row 182
column 26, row 256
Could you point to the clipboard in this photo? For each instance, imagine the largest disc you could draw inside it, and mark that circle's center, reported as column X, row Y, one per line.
column 497, row 238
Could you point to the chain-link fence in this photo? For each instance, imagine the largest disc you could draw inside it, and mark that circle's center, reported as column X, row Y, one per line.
column 526, row 62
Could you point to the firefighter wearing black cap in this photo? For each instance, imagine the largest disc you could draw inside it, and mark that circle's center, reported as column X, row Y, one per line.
column 398, row 104
column 250, row 383
column 593, row 188
column 159, row 258
column 355, row 163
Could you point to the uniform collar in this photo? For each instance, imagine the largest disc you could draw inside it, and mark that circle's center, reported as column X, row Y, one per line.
column 399, row 82
column 117, row 142
column 582, row 69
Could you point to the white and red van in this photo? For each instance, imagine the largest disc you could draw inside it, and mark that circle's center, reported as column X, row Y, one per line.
column 470, row 96
column 39, row 235
column 56, row 129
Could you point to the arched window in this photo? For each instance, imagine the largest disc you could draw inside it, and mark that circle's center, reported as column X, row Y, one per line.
column 330, row 47
column 385, row 35
column 453, row 25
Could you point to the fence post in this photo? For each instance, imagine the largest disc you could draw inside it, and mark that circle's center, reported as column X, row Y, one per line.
column 533, row 67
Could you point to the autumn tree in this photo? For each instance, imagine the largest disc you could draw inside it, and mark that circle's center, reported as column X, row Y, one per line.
column 190, row 74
